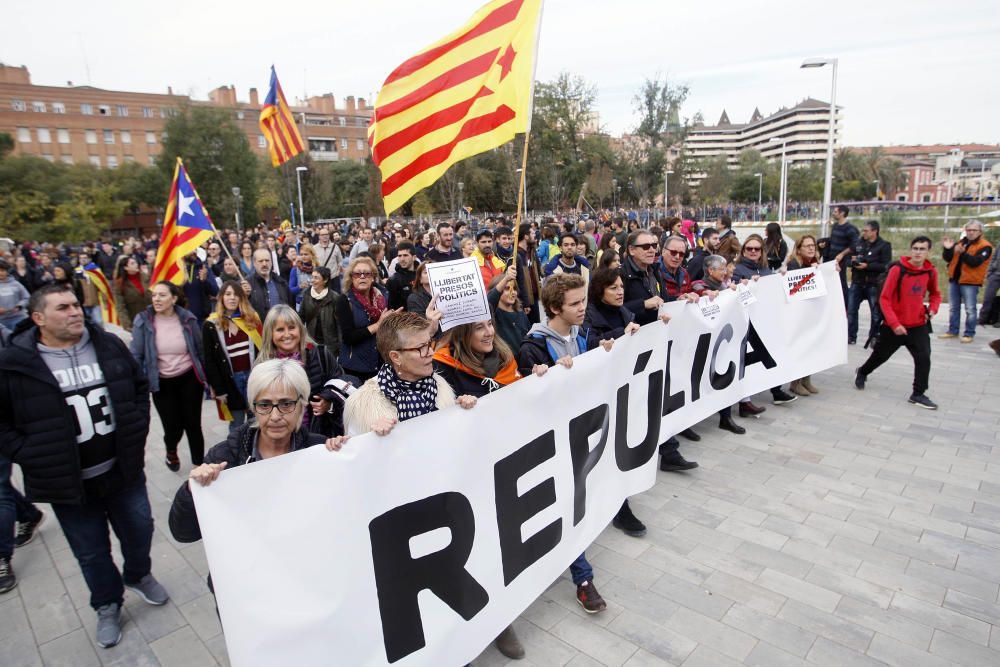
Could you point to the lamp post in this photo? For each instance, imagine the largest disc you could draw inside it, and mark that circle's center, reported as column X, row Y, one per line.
column 760, row 193
column 614, row 190
column 666, row 190
column 302, row 211
column 236, row 200
column 828, row 179
column 982, row 184
column 461, row 198
column 954, row 152
column 783, row 190
column 553, row 189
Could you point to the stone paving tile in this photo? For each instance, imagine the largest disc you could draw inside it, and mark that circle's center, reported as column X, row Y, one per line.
column 871, row 542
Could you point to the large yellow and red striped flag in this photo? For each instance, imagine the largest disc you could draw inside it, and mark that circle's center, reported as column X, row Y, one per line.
column 186, row 226
column 278, row 125
column 105, row 296
column 459, row 97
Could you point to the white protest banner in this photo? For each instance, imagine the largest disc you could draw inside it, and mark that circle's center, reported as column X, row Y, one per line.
column 461, row 296
column 745, row 294
column 804, row 284
column 710, row 310
column 418, row 548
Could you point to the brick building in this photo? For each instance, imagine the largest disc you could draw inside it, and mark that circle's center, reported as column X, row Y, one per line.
column 81, row 124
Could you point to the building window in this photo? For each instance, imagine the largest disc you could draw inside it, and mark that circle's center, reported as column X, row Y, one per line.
column 239, row 115
column 87, row 110
column 24, row 135
column 362, row 122
column 109, row 136
column 342, row 121
column 147, row 112
column 112, row 161
column 150, row 137
column 925, row 198
column 361, row 144
column 152, row 160
column 95, row 160
column 49, row 157
column 58, row 107
column 343, row 143
column 38, row 107
column 18, row 105
column 261, row 141
column 126, row 137
column 323, row 145
column 66, row 159
column 129, row 159
column 122, row 110
column 44, row 136
column 62, row 136
column 103, row 110
column 90, row 136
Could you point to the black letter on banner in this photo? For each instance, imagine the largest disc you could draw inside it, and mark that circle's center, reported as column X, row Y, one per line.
column 698, row 367
column 399, row 577
column 759, row 355
column 584, row 459
column 671, row 402
column 630, row 458
column 514, row 510
column 725, row 379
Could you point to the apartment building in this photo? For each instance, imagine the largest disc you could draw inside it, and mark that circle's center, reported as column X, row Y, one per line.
column 106, row 128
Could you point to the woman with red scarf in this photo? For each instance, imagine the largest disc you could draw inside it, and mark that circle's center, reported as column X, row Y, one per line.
column 359, row 315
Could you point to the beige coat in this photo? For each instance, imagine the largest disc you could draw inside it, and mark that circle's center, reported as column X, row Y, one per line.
column 368, row 405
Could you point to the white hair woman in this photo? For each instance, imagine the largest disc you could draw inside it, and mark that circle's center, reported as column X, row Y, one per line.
column 278, row 391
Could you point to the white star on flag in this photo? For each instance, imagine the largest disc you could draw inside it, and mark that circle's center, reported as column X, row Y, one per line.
column 184, row 206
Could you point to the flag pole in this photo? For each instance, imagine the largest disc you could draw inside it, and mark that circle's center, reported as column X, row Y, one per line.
column 228, row 254
column 520, row 190
column 527, row 133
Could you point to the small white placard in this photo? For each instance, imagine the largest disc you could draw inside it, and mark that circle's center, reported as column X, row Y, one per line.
column 458, row 286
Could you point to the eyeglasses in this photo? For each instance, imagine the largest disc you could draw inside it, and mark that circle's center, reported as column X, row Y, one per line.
column 362, row 274
column 676, row 253
column 424, row 350
column 753, row 249
column 646, row 246
column 969, row 231
column 264, row 408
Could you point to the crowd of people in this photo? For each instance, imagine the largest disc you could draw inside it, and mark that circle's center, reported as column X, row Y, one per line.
column 306, row 338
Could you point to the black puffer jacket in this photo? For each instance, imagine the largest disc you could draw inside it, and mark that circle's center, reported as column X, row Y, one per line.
column 641, row 285
column 234, row 451
column 38, row 429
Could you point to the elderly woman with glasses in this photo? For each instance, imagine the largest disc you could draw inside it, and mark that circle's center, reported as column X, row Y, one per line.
column 278, row 391
column 360, row 314
column 406, row 386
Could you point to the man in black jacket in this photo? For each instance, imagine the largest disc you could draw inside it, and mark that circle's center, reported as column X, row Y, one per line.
column 401, row 283
column 266, row 289
column 872, row 254
column 74, row 414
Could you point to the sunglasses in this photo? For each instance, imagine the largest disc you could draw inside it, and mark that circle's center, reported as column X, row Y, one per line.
column 362, row 274
column 753, row 249
column 676, row 253
column 646, row 246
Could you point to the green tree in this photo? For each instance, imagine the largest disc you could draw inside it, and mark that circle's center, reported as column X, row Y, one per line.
column 217, row 157
column 657, row 104
column 718, row 181
column 6, row 145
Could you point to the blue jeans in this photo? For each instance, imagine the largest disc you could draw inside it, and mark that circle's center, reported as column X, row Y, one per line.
column 958, row 296
column 13, row 507
column 581, row 570
column 240, row 416
column 856, row 295
column 125, row 505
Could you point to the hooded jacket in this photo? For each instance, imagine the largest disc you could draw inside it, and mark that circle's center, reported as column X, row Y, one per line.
column 902, row 298
column 544, row 345
column 463, row 380
column 38, row 428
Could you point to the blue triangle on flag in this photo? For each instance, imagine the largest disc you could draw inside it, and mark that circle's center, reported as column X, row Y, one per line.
column 190, row 212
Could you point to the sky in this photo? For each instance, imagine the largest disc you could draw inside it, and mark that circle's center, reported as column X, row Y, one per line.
column 910, row 71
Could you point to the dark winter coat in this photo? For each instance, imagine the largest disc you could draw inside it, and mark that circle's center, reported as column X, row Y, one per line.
column 639, row 286
column 357, row 349
column 400, row 286
column 320, row 317
column 259, row 298
column 604, row 322
column 218, row 370
column 746, row 269
column 38, row 429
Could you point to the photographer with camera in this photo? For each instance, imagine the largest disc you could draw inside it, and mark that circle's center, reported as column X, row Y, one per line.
column 871, row 256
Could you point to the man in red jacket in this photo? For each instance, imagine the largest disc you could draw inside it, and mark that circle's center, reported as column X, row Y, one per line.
column 907, row 319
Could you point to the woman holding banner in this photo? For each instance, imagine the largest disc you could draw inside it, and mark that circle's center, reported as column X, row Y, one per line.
column 804, row 255
column 232, row 339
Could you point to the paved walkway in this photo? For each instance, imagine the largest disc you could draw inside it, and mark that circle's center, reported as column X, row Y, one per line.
column 844, row 529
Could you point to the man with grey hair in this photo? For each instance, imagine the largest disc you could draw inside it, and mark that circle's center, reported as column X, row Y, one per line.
column 266, row 289
column 967, row 263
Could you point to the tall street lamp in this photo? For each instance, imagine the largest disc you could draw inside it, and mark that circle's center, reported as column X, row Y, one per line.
column 461, row 198
column 954, row 153
column 614, row 190
column 828, row 180
column 760, row 193
column 236, row 200
column 783, row 190
column 302, row 211
column 666, row 188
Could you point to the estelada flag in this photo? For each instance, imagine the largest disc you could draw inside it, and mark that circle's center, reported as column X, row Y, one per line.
column 186, row 226
column 278, row 125
column 459, row 97
column 104, row 294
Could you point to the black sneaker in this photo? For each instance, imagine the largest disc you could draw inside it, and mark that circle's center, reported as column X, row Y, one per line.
column 852, row 341
column 26, row 531
column 626, row 522
column 923, row 401
column 676, row 463
column 780, row 397
column 859, row 379
column 7, row 579
column 690, row 435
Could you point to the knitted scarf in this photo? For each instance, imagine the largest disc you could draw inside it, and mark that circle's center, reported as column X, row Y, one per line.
column 374, row 307
column 412, row 399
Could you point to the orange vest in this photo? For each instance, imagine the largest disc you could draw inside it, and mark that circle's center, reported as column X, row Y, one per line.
column 970, row 275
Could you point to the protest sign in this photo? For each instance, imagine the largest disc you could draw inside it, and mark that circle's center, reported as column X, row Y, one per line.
column 745, row 294
column 804, row 284
column 461, row 296
column 418, row 548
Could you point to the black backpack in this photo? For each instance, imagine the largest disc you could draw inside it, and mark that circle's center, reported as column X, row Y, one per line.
column 880, row 283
